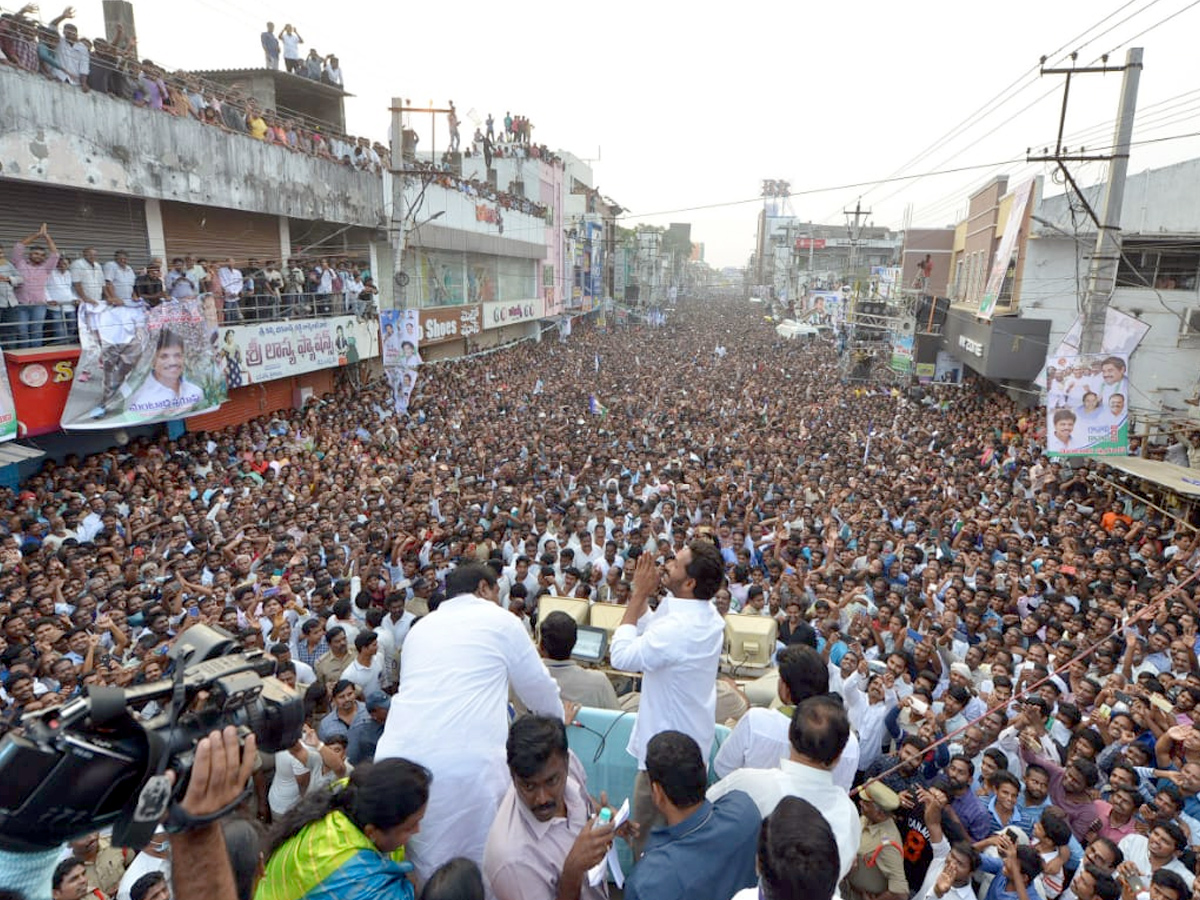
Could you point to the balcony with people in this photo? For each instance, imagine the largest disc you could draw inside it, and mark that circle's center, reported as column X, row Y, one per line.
column 98, row 115
column 48, row 292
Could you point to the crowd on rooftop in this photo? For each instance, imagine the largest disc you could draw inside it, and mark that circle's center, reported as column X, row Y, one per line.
column 114, row 68
column 992, row 651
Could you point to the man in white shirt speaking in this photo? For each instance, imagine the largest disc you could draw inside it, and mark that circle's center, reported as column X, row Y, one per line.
column 678, row 650
column 818, row 734
column 451, row 712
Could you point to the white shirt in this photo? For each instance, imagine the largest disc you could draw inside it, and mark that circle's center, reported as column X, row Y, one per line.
column 366, row 677
column 454, row 675
column 398, row 629
column 231, row 282
column 760, row 740
column 867, row 719
column 291, row 45
column 58, row 288
column 154, row 398
column 1136, row 848
column 941, row 852
column 122, row 279
column 767, row 787
column 285, row 789
column 90, row 276
column 74, row 60
column 678, row 649
column 143, row 864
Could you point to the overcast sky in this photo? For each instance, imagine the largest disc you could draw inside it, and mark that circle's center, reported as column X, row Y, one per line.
column 682, row 105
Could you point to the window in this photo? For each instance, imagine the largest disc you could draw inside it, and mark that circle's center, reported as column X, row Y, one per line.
column 1166, row 265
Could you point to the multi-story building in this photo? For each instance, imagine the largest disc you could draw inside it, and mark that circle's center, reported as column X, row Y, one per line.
column 485, row 253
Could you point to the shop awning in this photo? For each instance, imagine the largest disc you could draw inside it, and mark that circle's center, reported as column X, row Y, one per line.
column 1183, row 481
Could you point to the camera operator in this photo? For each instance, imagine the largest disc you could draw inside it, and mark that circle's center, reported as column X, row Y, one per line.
column 201, row 867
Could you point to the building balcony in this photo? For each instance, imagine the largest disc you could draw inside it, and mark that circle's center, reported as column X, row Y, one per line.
column 57, row 135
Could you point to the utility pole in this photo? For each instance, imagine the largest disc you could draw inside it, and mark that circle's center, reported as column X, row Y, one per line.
column 1102, row 269
column 855, row 232
column 1102, row 275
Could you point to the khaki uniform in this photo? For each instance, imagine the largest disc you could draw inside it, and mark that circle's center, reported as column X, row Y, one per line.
column 329, row 668
column 880, row 846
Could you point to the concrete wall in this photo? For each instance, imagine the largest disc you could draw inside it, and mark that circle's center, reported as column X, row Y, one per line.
column 58, row 135
column 459, row 228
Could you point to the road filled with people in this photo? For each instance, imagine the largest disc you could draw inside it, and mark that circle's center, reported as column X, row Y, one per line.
column 986, row 666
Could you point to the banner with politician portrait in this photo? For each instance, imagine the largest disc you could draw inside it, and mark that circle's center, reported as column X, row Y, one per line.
column 400, row 338
column 138, row 365
column 1087, row 405
column 402, row 382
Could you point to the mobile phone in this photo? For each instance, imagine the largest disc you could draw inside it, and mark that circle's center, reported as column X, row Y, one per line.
column 194, row 611
column 270, row 592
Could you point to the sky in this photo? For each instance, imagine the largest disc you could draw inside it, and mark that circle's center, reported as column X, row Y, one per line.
column 684, row 109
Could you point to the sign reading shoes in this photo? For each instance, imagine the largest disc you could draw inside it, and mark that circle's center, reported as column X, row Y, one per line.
column 448, row 323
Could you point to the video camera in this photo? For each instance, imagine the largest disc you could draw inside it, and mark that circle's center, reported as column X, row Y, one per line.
column 77, row 768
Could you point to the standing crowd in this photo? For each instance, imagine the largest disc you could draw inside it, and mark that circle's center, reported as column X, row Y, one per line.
column 984, row 682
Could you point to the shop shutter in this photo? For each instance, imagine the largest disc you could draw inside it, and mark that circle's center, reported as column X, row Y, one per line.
column 313, row 240
column 208, row 232
column 75, row 219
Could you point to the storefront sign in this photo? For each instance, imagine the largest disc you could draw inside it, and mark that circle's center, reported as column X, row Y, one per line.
column 501, row 313
column 450, row 323
column 36, row 384
column 975, row 348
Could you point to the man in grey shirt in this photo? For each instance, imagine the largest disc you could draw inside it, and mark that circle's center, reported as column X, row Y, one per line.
column 586, row 687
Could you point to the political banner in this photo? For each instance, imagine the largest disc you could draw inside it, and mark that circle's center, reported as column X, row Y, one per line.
column 252, row 354
column 1006, row 254
column 401, row 337
column 1087, row 406
column 902, row 354
column 827, row 306
column 402, row 382
column 138, row 366
column 1122, row 334
column 947, row 369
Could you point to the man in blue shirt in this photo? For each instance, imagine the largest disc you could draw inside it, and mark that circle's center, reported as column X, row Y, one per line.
column 1035, row 798
column 1015, row 869
column 706, row 851
column 965, row 804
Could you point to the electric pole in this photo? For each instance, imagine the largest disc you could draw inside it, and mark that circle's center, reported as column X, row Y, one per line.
column 855, row 232
column 1102, row 274
column 1102, row 270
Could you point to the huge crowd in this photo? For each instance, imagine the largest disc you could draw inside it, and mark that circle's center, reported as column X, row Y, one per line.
column 984, row 684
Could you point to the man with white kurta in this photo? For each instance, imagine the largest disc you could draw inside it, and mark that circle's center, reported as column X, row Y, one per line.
column 818, row 734
column 451, row 713
column 678, row 649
